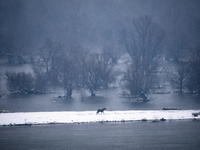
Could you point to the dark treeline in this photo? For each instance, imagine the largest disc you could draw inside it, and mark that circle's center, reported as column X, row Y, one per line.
column 77, row 43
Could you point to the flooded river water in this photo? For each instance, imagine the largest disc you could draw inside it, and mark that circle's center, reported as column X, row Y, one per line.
column 109, row 98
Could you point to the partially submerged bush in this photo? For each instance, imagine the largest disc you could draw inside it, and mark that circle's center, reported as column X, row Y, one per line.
column 20, row 82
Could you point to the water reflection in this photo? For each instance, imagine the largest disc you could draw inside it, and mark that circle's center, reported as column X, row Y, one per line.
column 48, row 102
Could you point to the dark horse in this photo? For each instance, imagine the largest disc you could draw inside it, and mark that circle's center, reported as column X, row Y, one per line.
column 101, row 110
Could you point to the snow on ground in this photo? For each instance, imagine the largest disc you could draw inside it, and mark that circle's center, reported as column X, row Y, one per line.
column 91, row 116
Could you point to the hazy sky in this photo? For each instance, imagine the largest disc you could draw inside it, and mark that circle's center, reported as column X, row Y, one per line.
column 25, row 24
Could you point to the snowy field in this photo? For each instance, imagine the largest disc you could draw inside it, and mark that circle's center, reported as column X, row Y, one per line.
column 91, row 116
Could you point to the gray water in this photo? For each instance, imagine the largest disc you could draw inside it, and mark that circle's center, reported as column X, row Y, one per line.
column 174, row 135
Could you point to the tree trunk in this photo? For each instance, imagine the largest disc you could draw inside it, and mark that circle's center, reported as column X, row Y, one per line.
column 69, row 92
column 92, row 93
column 181, row 87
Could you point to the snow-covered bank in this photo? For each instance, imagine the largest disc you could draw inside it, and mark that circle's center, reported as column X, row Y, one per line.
column 91, row 116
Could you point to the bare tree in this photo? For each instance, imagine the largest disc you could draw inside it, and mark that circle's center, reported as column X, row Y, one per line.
column 20, row 82
column 40, row 84
column 108, row 61
column 98, row 72
column 68, row 75
column 179, row 74
column 145, row 41
column 79, row 54
column 137, row 79
column 194, row 74
column 72, row 70
column 82, row 93
column 144, row 44
column 50, row 59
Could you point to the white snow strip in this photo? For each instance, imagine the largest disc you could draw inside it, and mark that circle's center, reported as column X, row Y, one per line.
column 91, row 116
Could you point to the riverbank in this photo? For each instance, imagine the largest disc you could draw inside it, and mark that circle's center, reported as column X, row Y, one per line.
column 34, row 118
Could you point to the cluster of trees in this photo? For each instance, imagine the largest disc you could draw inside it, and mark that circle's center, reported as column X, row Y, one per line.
column 186, row 72
column 146, row 45
column 69, row 69
column 20, row 82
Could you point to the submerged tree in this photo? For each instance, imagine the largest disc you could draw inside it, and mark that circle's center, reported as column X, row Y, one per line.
column 50, row 59
column 179, row 74
column 145, row 41
column 20, row 82
column 144, row 44
column 40, row 84
column 68, row 75
column 79, row 55
column 98, row 72
column 194, row 74
column 72, row 70
column 138, row 79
